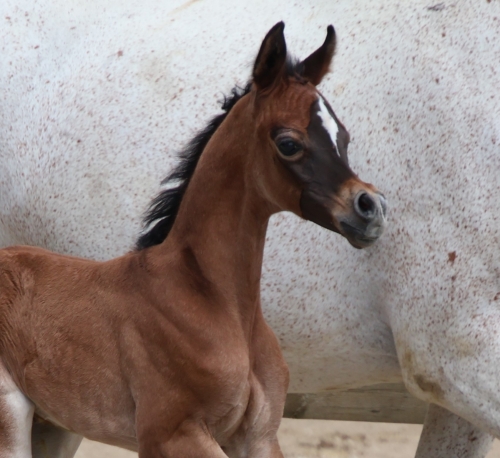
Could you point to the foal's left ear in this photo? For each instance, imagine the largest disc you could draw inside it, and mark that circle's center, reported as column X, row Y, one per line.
column 316, row 66
column 271, row 58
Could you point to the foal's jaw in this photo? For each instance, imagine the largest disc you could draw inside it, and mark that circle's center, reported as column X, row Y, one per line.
column 357, row 212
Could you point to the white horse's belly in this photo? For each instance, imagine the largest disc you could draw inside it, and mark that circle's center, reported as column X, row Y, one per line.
column 329, row 317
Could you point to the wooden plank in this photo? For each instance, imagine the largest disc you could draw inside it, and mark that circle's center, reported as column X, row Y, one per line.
column 388, row 403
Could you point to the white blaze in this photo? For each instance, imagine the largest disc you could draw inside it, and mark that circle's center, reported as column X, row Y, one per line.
column 329, row 122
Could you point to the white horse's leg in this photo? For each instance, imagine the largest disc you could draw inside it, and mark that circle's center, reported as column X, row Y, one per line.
column 16, row 416
column 451, row 358
column 49, row 441
column 445, row 435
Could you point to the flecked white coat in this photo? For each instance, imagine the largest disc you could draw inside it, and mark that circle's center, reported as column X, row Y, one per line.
column 96, row 98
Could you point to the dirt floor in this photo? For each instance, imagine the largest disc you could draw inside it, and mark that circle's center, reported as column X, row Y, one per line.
column 322, row 439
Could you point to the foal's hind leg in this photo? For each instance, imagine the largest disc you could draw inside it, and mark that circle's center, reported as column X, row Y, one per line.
column 445, row 435
column 49, row 441
column 16, row 415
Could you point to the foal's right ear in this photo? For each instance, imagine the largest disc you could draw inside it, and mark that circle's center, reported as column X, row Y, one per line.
column 316, row 66
column 271, row 58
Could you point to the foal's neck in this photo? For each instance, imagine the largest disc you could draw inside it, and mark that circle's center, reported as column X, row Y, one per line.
column 221, row 225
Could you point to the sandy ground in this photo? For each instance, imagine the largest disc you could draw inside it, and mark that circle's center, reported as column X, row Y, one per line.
column 322, row 439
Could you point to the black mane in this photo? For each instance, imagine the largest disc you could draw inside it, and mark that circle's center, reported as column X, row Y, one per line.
column 162, row 211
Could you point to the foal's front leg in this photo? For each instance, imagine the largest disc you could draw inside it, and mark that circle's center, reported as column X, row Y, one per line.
column 190, row 440
column 51, row 441
column 269, row 387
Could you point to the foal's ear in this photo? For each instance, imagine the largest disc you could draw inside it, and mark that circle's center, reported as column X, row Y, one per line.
column 271, row 58
column 316, row 66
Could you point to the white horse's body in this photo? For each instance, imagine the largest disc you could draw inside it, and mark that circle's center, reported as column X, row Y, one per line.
column 97, row 99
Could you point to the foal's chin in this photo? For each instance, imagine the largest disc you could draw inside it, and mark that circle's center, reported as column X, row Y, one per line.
column 360, row 236
column 361, row 242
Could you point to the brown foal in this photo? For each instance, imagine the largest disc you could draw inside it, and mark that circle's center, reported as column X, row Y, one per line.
column 165, row 350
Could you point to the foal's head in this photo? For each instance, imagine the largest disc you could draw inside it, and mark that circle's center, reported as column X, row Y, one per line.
column 293, row 143
column 303, row 145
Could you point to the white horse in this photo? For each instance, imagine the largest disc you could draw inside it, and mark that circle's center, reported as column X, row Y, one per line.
column 96, row 98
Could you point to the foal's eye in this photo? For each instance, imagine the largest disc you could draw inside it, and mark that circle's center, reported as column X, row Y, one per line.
column 289, row 147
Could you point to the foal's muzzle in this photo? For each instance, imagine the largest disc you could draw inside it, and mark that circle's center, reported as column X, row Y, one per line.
column 366, row 223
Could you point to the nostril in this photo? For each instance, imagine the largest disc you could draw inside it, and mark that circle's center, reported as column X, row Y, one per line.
column 365, row 205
